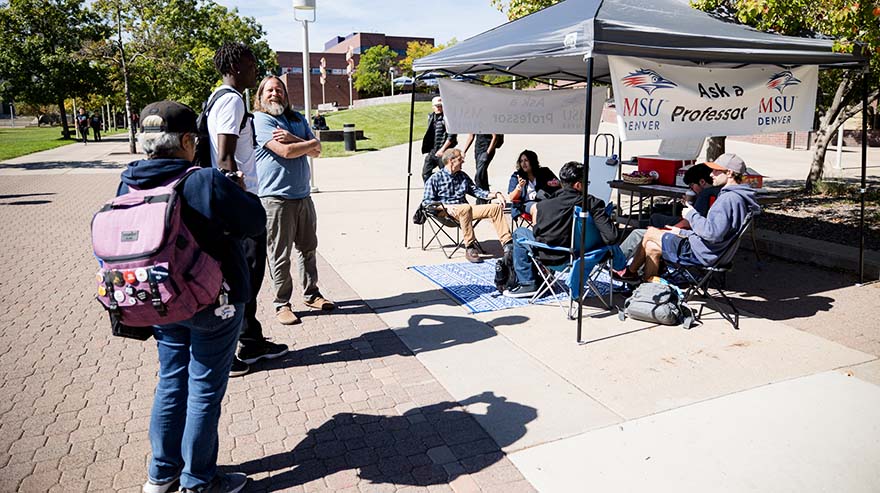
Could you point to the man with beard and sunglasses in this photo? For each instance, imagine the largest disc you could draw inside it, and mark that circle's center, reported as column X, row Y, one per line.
column 284, row 140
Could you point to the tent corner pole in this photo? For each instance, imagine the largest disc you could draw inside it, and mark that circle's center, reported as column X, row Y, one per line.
column 412, row 110
column 585, row 180
column 863, row 187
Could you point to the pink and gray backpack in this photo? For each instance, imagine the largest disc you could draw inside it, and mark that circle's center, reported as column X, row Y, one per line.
column 152, row 270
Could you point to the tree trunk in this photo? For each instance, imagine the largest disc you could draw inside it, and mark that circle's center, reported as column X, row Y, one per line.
column 65, row 131
column 817, row 165
column 716, row 148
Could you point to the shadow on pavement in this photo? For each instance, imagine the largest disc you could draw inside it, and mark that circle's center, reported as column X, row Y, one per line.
column 775, row 289
column 404, row 450
column 439, row 332
column 25, row 202
column 64, row 165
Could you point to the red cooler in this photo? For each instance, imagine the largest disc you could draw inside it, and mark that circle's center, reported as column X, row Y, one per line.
column 664, row 166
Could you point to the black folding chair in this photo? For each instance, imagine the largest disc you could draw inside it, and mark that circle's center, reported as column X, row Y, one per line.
column 438, row 220
column 699, row 277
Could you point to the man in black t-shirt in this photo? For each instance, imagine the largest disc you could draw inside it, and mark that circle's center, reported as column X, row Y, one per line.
column 553, row 227
column 82, row 123
column 436, row 140
column 484, row 151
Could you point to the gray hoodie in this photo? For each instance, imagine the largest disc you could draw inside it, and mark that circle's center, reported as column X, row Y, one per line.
column 710, row 235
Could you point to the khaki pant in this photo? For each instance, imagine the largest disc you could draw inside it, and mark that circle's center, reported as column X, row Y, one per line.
column 467, row 213
column 292, row 226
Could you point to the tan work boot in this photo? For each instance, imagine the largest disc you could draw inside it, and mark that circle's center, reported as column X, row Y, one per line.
column 286, row 316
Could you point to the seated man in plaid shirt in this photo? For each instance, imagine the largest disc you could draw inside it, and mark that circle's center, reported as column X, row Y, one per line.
column 449, row 186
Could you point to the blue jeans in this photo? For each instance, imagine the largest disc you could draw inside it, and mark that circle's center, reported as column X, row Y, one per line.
column 522, row 263
column 194, row 360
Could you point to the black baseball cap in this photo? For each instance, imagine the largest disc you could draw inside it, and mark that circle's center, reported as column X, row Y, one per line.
column 175, row 117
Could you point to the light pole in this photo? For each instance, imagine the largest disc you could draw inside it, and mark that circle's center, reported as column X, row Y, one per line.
column 305, row 12
column 391, row 72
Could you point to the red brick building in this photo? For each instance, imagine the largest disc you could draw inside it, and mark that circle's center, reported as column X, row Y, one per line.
column 336, row 89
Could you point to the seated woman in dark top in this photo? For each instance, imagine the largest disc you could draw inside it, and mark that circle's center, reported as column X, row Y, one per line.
column 529, row 183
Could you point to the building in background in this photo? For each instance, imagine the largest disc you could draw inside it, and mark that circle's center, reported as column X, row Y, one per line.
column 336, row 87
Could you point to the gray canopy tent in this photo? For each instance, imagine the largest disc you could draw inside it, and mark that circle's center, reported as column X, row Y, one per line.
column 572, row 40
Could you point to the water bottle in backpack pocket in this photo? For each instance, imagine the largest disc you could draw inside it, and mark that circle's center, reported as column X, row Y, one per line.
column 152, row 269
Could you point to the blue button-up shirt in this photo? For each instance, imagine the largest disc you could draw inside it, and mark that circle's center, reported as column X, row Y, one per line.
column 447, row 188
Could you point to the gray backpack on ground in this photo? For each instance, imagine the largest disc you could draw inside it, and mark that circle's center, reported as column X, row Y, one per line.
column 658, row 303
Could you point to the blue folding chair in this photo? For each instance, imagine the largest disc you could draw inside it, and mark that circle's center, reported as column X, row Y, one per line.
column 563, row 278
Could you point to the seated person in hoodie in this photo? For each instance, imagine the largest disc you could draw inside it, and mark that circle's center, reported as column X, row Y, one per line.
column 699, row 180
column 529, row 183
column 194, row 355
column 709, row 235
column 552, row 225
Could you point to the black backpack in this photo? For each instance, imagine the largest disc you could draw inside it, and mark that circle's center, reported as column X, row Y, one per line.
column 203, row 151
column 499, row 140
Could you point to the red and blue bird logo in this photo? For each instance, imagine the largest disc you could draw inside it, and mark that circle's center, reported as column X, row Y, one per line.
column 648, row 80
column 781, row 80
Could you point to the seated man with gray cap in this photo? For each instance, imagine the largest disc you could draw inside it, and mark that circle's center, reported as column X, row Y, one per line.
column 709, row 235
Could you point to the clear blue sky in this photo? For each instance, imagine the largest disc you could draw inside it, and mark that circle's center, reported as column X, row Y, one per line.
column 449, row 18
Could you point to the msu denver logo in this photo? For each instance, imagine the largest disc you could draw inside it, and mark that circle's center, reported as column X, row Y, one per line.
column 781, row 80
column 648, row 80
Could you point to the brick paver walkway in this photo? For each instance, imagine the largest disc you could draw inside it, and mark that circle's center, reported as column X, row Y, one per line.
column 350, row 409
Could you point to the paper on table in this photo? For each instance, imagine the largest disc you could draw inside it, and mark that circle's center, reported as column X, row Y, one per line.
column 683, row 149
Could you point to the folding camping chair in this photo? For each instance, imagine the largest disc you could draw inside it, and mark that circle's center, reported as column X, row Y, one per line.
column 439, row 219
column 518, row 220
column 699, row 277
column 562, row 278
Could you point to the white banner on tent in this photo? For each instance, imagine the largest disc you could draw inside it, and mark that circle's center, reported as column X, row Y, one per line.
column 658, row 100
column 471, row 108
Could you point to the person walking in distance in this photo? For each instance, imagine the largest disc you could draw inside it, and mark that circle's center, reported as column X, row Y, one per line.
column 231, row 130
column 82, row 123
column 436, row 140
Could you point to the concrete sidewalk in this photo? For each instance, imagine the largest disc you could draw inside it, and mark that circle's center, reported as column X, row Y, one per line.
column 784, row 404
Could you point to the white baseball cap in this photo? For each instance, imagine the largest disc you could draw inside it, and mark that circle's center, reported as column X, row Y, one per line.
column 437, row 101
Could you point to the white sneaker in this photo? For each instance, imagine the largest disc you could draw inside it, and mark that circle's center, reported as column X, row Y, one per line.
column 151, row 487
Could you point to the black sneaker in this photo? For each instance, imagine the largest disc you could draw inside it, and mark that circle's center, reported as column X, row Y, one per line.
column 265, row 349
column 239, row 368
column 522, row 291
column 222, row 483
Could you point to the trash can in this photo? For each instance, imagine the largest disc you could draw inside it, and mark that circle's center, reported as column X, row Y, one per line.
column 348, row 136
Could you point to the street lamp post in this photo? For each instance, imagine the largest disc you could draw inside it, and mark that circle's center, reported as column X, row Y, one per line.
column 305, row 12
column 391, row 72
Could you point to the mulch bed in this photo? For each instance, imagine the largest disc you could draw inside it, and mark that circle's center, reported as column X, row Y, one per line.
column 824, row 217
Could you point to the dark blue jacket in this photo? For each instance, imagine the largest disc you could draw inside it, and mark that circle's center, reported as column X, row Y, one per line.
column 217, row 212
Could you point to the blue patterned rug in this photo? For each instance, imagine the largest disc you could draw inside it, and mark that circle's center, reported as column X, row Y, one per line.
column 474, row 285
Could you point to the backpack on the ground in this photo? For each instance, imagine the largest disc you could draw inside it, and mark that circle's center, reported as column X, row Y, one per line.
column 658, row 303
column 152, row 269
column 203, row 149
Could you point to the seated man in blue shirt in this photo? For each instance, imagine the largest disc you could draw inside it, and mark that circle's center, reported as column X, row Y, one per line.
column 449, row 186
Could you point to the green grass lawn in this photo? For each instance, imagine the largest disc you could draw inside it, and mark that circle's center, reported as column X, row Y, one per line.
column 19, row 141
column 383, row 126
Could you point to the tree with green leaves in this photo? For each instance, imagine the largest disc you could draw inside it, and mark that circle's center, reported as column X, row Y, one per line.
column 371, row 76
column 41, row 52
column 164, row 49
column 414, row 51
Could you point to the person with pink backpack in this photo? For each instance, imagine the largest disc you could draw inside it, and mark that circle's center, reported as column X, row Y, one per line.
column 195, row 353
